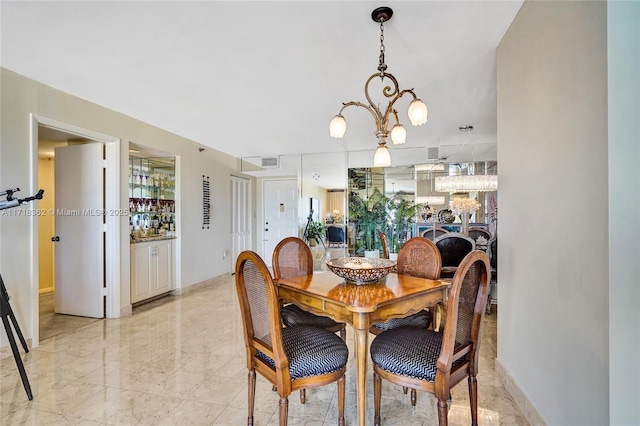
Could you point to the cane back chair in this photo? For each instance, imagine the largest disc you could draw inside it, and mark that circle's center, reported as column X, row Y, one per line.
column 435, row 362
column 290, row 358
column 292, row 258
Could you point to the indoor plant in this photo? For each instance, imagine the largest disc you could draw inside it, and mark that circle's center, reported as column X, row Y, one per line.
column 368, row 215
column 314, row 233
column 401, row 215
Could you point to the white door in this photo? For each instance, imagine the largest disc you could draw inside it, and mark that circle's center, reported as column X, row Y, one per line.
column 280, row 204
column 79, row 252
column 240, row 217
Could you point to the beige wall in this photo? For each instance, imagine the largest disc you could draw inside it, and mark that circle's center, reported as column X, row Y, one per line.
column 199, row 251
column 553, row 292
column 623, row 49
column 46, row 229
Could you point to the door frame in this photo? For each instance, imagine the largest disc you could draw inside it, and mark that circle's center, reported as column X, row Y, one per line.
column 112, row 224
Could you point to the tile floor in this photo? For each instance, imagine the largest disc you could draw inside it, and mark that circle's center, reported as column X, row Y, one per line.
column 181, row 361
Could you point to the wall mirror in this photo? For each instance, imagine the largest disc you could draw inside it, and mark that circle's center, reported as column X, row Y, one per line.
column 327, row 180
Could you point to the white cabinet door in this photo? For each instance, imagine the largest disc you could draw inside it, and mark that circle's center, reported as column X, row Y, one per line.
column 151, row 269
column 141, row 272
column 164, row 270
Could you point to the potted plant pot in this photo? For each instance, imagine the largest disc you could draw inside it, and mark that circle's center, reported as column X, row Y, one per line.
column 372, row 254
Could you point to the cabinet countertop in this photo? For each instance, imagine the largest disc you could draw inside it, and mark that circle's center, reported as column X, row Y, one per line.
column 148, row 239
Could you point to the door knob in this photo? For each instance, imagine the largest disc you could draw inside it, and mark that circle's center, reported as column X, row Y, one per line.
column 56, row 238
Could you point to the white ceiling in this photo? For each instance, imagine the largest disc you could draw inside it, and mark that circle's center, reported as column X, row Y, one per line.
column 265, row 78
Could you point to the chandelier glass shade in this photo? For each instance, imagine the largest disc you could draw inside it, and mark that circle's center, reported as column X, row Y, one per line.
column 466, row 183
column 417, row 111
column 337, row 127
column 382, row 158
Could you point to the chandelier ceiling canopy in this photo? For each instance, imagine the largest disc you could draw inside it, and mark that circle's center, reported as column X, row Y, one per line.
column 417, row 109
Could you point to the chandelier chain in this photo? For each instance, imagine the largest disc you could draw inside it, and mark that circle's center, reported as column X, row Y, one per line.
column 382, row 67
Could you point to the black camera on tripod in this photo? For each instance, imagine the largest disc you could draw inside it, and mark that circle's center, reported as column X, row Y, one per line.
column 11, row 201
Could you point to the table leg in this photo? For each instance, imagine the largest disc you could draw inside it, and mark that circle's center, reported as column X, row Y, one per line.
column 361, row 336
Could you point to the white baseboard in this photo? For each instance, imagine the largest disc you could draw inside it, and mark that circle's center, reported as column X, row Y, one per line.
column 521, row 400
column 211, row 281
column 126, row 310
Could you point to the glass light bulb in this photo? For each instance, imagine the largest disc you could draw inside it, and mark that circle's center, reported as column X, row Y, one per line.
column 418, row 112
column 337, row 127
column 398, row 134
column 382, row 158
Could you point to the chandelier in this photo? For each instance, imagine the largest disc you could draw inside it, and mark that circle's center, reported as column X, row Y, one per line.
column 467, row 183
column 417, row 109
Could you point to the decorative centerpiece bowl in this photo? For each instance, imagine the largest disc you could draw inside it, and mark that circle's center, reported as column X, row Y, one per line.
column 361, row 270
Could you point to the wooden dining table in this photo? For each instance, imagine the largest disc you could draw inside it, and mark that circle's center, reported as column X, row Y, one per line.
column 396, row 295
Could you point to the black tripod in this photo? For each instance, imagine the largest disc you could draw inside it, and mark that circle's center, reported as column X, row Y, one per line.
column 5, row 309
column 7, row 314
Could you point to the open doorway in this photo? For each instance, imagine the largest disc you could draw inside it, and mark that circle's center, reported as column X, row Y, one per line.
column 47, row 134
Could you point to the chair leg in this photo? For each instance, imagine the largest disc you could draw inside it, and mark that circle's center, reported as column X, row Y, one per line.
column 405, row 389
column 303, row 396
column 443, row 412
column 414, row 397
column 473, row 399
column 284, row 411
column 487, row 309
column 252, row 396
column 341, row 392
column 377, row 395
column 343, row 333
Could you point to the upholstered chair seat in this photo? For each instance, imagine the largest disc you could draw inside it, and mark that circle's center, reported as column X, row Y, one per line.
column 311, row 351
column 409, row 352
column 292, row 316
column 421, row 319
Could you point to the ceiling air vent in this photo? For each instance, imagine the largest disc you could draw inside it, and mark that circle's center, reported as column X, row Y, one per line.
column 432, row 153
column 270, row 162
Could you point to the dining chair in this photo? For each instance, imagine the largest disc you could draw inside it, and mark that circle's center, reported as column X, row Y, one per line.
column 335, row 235
column 385, row 244
column 292, row 257
column 290, row 358
column 432, row 361
column 432, row 234
column 493, row 262
column 479, row 232
column 453, row 248
column 418, row 257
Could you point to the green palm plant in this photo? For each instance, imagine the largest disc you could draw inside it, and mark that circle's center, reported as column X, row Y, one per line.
column 369, row 215
column 402, row 214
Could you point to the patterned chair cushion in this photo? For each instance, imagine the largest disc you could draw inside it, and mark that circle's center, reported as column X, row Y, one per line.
column 421, row 319
column 311, row 351
column 411, row 352
column 293, row 315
